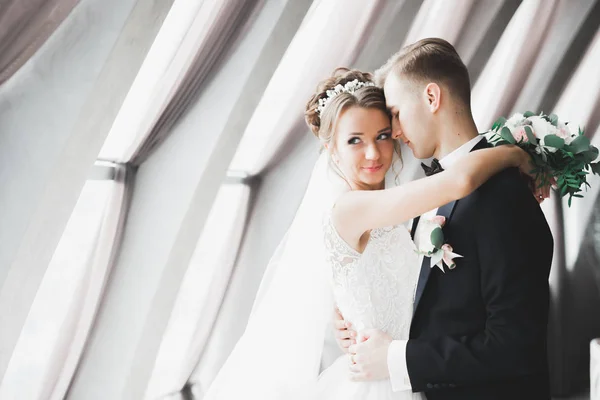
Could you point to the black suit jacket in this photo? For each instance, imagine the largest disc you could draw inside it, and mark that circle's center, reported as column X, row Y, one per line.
column 479, row 330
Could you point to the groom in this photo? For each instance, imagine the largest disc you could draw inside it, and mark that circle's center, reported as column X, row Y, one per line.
column 478, row 330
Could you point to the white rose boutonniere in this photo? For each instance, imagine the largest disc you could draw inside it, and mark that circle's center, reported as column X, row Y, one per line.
column 430, row 242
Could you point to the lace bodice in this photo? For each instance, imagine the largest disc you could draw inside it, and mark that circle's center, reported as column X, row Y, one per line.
column 375, row 289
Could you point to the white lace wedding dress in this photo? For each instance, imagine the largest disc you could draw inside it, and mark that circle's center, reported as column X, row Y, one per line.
column 374, row 289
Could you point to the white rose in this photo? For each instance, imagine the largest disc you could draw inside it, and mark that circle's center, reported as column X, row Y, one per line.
column 516, row 120
column 423, row 236
column 540, row 126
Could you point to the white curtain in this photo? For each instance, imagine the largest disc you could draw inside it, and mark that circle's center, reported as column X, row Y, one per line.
column 507, row 69
column 62, row 313
column 171, row 53
column 187, row 48
column 201, row 292
column 55, row 113
column 443, row 19
column 580, row 104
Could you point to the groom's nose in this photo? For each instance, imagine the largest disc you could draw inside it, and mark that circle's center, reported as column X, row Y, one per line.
column 396, row 131
column 397, row 134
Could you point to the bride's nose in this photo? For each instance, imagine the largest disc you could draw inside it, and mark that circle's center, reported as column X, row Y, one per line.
column 372, row 152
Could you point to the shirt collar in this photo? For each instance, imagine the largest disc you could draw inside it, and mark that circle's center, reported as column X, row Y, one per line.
column 447, row 161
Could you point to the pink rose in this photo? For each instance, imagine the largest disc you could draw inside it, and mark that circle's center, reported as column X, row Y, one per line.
column 520, row 135
column 439, row 220
column 449, row 256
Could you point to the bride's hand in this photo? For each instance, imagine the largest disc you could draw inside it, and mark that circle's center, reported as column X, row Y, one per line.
column 345, row 336
column 539, row 191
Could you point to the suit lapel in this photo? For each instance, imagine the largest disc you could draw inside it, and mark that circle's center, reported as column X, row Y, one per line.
column 413, row 230
column 446, row 211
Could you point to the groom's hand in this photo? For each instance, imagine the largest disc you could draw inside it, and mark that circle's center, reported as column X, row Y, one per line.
column 345, row 336
column 368, row 358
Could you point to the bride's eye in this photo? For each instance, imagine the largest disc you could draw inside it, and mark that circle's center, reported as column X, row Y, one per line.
column 384, row 136
column 354, row 140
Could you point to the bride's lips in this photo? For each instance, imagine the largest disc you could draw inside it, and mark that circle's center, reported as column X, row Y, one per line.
column 373, row 169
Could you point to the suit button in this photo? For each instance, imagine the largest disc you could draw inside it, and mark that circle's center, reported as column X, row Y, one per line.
column 452, row 385
column 429, row 386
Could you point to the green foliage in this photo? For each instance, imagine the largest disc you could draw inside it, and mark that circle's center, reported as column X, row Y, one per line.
column 570, row 164
column 437, row 238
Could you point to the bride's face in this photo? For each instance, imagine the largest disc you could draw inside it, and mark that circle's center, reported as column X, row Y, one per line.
column 363, row 148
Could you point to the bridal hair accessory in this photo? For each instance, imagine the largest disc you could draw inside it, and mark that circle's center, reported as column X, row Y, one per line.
column 430, row 243
column 558, row 149
column 349, row 87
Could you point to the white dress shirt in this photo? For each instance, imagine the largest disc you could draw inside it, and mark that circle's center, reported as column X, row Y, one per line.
column 396, row 360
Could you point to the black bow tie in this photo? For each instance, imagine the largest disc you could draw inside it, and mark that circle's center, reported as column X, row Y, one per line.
column 434, row 169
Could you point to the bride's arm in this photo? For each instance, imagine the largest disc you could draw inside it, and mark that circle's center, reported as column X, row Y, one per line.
column 358, row 211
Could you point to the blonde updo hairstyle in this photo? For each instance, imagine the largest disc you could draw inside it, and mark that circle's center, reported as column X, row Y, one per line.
column 323, row 126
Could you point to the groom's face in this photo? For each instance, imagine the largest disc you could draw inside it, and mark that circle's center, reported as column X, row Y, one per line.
column 411, row 116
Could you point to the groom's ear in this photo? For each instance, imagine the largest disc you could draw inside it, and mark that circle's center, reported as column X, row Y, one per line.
column 433, row 94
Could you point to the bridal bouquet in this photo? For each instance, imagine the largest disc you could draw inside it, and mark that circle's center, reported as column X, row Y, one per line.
column 558, row 149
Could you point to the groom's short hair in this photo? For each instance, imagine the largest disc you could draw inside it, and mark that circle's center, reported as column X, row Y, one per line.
column 430, row 60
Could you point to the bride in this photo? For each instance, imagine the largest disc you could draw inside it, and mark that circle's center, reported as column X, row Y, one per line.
column 348, row 247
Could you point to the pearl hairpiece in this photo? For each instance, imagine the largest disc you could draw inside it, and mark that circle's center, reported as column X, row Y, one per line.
column 349, row 87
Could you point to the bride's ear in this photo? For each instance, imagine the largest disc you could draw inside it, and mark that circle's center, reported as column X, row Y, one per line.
column 433, row 95
column 331, row 154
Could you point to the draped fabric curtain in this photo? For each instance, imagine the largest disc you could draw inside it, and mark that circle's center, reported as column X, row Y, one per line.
column 97, row 272
column 580, row 104
column 574, row 286
column 55, row 113
column 63, row 311
column 508, row 68
column 201, row 293
column 444, row 19
column 167, row 85
column 24, row 27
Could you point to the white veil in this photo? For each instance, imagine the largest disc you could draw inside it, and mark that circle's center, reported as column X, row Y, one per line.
column 278, row 356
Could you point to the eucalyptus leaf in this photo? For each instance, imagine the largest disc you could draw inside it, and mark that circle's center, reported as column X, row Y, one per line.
column 530, row 135
column 553, row 119
column 437, row 238
column 506, row 135
column 499, row 122
column 580, row 144
column 590, row 155
column 554, row 141
column 528, row 114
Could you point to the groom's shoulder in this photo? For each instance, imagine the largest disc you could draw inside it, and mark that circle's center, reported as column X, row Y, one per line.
column 507, row 184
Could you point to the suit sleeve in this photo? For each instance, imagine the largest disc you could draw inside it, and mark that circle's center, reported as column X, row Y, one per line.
column 514, row 248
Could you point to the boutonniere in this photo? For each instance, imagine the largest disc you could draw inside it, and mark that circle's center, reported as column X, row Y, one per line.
column 430, row 242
